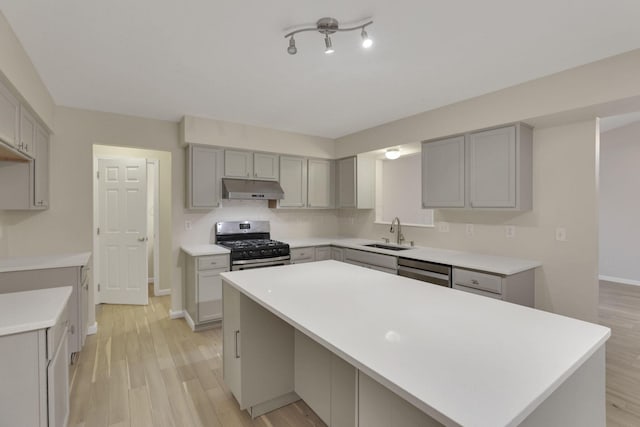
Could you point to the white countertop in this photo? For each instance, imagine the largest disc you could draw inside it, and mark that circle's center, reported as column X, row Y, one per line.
column 203, row 250
column 490, row 263
column 461, row 358
column 31, row 310
column 42, row 262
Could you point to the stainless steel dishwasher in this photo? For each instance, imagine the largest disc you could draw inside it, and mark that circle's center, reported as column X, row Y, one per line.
column 430, row 272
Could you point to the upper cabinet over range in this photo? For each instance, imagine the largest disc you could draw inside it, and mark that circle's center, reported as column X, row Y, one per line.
column 250, row 165
column 489, row 169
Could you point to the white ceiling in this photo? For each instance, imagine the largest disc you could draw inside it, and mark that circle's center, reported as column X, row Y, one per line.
column 227, row 59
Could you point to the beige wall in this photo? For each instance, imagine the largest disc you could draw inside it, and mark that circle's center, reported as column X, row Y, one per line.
column 620, row 204
column 196, row 130
column 18, row 70
column 564, row 195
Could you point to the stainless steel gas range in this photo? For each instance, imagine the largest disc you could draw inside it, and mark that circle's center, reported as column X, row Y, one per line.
column 251, row 245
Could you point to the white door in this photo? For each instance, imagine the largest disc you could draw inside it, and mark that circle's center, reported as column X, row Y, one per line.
column 122, row 242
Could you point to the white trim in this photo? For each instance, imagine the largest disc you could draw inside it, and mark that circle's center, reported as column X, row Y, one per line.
column 96, row 253
column 620, row 280
column 161, row 292
column 92, row 329
column 156, row 227
column 150, row 280
column 189, row 320
column 179, row 314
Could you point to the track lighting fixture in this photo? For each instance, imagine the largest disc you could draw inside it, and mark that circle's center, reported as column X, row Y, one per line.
column 328, row 26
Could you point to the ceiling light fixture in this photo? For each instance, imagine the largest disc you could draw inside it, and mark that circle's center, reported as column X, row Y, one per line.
column 327, row 26
column 392, row 153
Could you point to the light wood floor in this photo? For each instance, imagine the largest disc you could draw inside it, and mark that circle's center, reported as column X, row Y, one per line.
column 143, row 369
column 619, row 309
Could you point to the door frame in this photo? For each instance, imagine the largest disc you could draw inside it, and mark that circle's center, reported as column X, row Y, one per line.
column 156, row 225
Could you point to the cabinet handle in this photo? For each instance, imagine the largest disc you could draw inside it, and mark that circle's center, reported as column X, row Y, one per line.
column 248, row 175
column 26, row 147
column 73, row 329
column 236, row 344
column 474, row 281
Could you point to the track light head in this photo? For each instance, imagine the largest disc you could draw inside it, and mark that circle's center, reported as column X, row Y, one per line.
column 366, row 40
column 329, row 48
column 292, row 50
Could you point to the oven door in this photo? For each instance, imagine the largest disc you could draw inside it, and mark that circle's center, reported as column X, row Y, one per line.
column 259, row 263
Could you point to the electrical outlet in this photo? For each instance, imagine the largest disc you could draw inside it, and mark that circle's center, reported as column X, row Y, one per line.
column 510, row 231
column 187, row 225
column 443, row 227
column 561, row 234
column 470, row 230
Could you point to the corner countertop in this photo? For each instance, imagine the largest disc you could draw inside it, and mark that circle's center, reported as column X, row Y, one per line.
column 203, row 250
column 43, row 262
column 491, row 263
column 450, row 353
column 32, row 310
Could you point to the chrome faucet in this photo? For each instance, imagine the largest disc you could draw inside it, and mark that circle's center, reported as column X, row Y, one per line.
column 398, row 231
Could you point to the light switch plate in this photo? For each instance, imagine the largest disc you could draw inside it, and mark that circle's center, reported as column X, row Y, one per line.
column 510, row 231
column 187, row 225
column 443, row 227
column 561, row 234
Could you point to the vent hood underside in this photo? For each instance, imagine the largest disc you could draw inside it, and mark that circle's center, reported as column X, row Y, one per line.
column 247, row 189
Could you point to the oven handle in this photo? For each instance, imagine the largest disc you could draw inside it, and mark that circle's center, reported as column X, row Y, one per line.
column 258, row 261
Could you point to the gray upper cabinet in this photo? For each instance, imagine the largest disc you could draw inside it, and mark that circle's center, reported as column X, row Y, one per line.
column 9, row 116
column 204, row 177
column 28, row 126
column 246, row 164
column 320, row 183
column 41, row 169
column 293, row 179
column 355, row 183
column 489, row 169
column 443, row 174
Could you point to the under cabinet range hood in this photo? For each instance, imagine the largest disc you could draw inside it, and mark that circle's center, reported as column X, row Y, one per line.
column 249, row 189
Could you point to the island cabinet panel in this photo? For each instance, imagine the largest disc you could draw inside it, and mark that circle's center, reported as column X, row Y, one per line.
column 313, row 375
column 344, row 386
column 258, row 354
column 380, row 407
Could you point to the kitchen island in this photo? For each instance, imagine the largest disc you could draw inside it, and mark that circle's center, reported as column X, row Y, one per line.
column 366, row 348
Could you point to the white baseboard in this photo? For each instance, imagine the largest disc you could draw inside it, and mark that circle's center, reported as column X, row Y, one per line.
column 162, row 292
column 176, row 314
column 620, row 280
column 92, row 329
column 189, row 320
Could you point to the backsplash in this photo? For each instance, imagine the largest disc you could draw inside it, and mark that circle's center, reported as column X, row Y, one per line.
column 285, row 223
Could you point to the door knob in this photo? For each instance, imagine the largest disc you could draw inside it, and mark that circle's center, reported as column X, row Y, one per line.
column 142, row 239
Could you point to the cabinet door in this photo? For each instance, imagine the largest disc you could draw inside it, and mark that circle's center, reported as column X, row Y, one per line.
column 238, row 164
column 265, row 166
column 231, row 366
column 9, row 116
column 322, row 253
column 320, row 194
column 204, row 177
column 293, row 179
column 337, row 254
column 443, row 173
column 41, row 169
column 492, row 168
column 28, row 126
column 302, row 255
column 58, row 386
column 210, row 294
column 346, row 183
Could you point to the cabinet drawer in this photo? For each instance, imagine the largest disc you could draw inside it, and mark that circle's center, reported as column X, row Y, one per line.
column 477, row 280
column 299, row 255
column 477, row 292
column 213, row 261
column 56, row 333
column 379, row 260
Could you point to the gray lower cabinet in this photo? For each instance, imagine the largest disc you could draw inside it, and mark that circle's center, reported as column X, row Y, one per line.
column 374, row 261
column 34, row 391
column 257, row 354
column 76, row 277
column 337, row 254
column 302, row 255
column 203, row 290
column 517, row 288
column 323, row 253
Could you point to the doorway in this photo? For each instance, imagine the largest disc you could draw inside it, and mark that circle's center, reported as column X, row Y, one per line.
column 127, row 221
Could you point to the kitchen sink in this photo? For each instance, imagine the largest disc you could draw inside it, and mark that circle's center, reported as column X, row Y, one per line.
column 388, row 247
